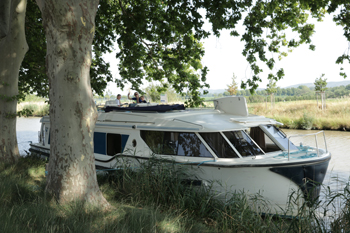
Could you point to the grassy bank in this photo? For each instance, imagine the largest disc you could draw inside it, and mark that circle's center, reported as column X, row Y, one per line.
column 37, row 108
column 33, row 105
column 152, row 200
column 306, row 115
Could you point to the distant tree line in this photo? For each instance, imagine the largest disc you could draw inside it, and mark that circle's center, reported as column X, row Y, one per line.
column 290, row 94
column 282, row 94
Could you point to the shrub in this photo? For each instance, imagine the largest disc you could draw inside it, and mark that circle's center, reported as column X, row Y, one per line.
column 306, row 122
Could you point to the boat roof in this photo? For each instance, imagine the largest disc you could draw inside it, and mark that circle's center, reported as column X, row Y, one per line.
column 230, row 113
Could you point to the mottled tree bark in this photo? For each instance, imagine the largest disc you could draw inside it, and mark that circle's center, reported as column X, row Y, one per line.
column 70, row 27
column 13, row 47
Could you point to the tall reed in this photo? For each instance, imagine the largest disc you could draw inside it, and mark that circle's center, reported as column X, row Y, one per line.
column 166, row 185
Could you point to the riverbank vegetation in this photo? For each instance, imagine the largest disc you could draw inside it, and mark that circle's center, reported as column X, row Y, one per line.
column 33, row 106
column 300, row 114
column 34, row 109
column 301, row 92
column 154, row 199
column 304, row 114
column 307, row 114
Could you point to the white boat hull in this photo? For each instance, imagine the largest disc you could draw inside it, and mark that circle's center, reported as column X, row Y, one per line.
column 273, row 174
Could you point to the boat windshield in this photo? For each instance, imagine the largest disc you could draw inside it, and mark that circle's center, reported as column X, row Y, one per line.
column 243, row 143
column 279, row 136
column 175, row 143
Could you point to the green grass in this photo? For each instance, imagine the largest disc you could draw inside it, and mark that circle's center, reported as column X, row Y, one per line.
column 153, row 199
column 34, row 98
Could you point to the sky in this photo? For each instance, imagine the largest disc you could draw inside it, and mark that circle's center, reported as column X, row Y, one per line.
column 223, row 56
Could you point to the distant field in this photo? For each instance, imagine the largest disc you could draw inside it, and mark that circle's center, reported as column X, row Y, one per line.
column 306, row 115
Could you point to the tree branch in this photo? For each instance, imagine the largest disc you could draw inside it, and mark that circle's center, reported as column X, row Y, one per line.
column 40, row 4
column 122, row 7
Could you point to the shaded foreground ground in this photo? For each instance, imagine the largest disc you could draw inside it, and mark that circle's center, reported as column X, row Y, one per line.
column 153, row 199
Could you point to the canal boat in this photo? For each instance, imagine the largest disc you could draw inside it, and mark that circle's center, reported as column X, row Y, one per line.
column 240, row 151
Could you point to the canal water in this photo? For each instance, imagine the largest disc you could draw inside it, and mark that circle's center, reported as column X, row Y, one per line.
column 338, row 143
column 27, row 131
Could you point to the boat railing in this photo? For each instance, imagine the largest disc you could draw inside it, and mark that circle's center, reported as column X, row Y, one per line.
column 303, row 135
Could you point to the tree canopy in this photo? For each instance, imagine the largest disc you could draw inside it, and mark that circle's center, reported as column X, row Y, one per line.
column 233, row 87
column 161, row 40
column 321, row 84
column 271, row 87
column 33, row 77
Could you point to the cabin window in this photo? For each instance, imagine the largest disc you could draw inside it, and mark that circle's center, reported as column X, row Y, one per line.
column 109, row 144
column 47, row 131
column 279, row 136
column 175, row 143
column 154, row 140
column 114, row 144
column 100, row 143
column 190, row 145
column 243, row 143
column 219, row 145
column 42, row 134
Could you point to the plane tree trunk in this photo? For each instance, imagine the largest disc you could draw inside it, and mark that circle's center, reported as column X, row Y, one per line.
column 69, row 27
column 13, row 47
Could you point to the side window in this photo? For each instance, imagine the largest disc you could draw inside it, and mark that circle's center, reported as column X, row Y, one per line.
column 154, row 140
column 100, row 143
column 219, row 145
column 42, row 134
column 114, row 144
column 190, row 145
column 243, row 144
column 47, row 131
column 48, row 142
column 170, row 143
column 109, row 144
column 175, row 143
